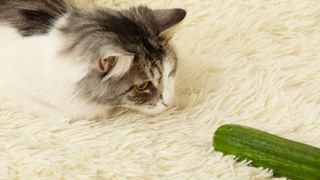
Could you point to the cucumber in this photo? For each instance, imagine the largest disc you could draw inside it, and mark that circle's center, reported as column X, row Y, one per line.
column 285, row 157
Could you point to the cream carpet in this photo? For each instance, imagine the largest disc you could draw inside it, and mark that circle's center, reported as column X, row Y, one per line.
column 250, row 62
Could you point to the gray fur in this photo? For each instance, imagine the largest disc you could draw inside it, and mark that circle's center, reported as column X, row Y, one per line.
column 136, row 31
column 32, row 17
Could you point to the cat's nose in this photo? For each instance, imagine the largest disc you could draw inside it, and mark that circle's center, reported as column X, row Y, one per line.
column 166, row 104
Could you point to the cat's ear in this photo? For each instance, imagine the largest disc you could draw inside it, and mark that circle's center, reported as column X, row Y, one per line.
column 168, row 18
column 107, row 63
column 115, row 62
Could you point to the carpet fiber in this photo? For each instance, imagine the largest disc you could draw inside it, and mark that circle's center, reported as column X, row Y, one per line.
column 249, row 62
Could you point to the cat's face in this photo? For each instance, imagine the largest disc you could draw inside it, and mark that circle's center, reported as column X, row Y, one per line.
column 132, row 63
column 149, row 85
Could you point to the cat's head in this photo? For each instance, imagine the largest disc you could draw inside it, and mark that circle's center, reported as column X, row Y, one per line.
column 131, row 61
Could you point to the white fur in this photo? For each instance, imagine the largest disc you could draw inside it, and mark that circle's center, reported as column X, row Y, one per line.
column 168, row 83
column 150, row 110
column 32, row 68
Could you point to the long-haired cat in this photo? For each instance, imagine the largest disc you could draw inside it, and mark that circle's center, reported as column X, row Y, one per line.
column 84, row 61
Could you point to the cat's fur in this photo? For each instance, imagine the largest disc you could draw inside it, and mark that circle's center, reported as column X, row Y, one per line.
column 50, row 51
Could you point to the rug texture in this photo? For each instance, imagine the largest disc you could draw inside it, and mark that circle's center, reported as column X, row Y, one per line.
column 249, row 62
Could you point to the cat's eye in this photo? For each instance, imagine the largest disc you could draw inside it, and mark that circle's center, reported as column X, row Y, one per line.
column 142, row 86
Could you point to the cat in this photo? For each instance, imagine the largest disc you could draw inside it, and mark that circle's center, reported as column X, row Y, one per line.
column 84, row 61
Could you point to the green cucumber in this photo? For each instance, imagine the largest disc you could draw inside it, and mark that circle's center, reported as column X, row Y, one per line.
column 285, row 157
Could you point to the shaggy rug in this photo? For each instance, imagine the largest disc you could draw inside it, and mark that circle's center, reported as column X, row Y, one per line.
column 249, row 62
